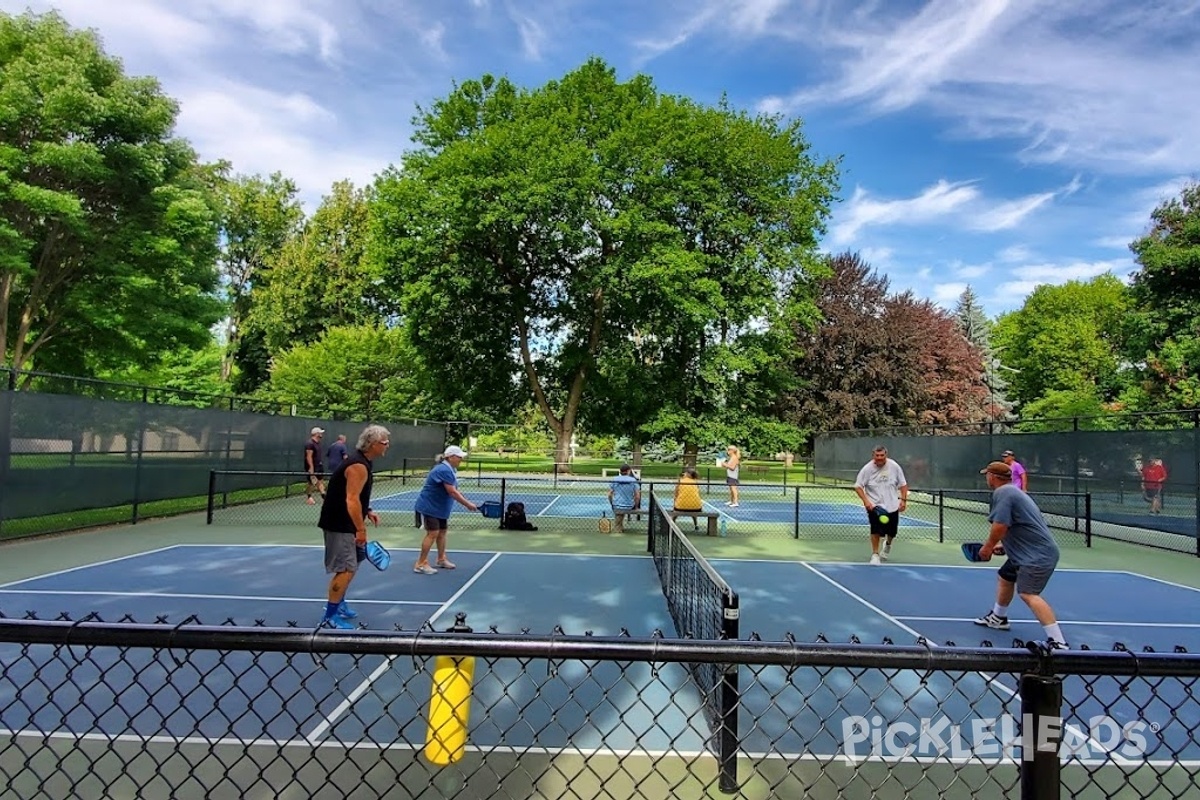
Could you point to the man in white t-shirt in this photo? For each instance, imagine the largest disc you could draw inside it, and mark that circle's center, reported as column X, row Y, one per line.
column 884, row 492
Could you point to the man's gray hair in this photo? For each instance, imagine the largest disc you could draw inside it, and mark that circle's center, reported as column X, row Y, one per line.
column 372, row 434
column 879, row 449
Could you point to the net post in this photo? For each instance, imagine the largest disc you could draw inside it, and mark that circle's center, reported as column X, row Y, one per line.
column 1041, row 733
column 1087, row 520
column 212, row 495
column 404, row 471
column 727, row 733
column 503, row 493
column 941, row 515
column 796, row 514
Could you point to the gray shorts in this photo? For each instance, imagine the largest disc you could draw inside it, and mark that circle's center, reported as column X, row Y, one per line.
column 1029, row 580
column 341, row 553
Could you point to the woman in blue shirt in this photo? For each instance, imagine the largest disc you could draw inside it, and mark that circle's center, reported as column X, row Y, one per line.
column 434, row 504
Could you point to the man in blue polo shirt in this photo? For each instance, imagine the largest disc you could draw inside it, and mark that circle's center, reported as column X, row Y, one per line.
column 1032, row 554
column 625, row 495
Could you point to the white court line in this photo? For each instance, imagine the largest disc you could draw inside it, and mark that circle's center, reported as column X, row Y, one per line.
column 328, row 722
column 557, row 497
column 206, row 596
column 93, row 564
column 897, row 565
column 1064, row 622
column 1159, row 580
column 991, row 680
column 275, row 744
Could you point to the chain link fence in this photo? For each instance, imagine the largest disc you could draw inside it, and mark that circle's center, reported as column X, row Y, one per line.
column 1105, row 464
column 808, row 511
column 75, row 462
column 91, row 708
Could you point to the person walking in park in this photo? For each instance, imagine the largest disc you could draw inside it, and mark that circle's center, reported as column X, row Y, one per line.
column 884, row 493
column 434, row 504
column 337, row 452
column 344, row 517
column 1017, row 523
column 1154, row 477
column 315, row 479
column 1020, row 477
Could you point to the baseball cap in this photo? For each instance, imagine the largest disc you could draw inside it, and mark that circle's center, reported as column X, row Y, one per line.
column 1007, row 453
column 997, row 468
column 455, row 450
column 315, row 431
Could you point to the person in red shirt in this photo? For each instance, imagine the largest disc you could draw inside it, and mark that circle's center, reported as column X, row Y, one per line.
column 1154, row 475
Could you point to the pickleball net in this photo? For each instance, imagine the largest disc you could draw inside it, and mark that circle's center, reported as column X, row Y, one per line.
column 702, row 606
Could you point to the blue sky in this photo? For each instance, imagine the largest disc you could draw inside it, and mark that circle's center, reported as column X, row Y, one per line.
column 996, row 143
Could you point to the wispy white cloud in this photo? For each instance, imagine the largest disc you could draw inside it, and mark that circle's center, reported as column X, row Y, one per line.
column 947, row 294
column 863, row 210
column 1106, row 85
column 284, row 132
column 533, row 36
column 1010, row 214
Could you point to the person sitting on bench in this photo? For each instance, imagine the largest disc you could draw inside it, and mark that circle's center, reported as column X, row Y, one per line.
column 625, row 495
column 687, row 495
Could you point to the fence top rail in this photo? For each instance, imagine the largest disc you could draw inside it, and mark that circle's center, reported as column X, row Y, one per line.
column 920, row 657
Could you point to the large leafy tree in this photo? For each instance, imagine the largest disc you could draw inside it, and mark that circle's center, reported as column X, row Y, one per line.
column 320, row 278
column 535, row 232
column 1164, row 330
column 258, row 217
column 368, row 371
column 841, row 365
column 1067, row 339
column 936, row 377
column 108, row 231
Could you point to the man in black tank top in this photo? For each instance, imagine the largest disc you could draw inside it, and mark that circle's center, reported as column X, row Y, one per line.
column 344, row 517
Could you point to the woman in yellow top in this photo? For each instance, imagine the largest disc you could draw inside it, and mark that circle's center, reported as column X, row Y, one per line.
column 687, row 494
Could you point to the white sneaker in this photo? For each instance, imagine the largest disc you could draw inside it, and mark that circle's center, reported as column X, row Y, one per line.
column 994, row 621
column 886, row 551
column 875, row 562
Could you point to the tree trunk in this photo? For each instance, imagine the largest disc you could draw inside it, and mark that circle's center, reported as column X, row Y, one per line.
column 562, row 448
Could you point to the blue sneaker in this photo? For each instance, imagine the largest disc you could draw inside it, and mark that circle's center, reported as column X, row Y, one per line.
column 346, row 612
column 337, row 622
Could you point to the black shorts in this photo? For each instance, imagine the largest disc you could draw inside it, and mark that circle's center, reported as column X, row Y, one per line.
column 1029, row 580
column 889, row 530
column 433, row 524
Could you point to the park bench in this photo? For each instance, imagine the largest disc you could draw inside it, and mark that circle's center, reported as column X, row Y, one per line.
column 711, row 516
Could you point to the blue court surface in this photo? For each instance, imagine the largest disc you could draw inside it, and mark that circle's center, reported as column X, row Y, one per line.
column 638, row 706
column 751, row 509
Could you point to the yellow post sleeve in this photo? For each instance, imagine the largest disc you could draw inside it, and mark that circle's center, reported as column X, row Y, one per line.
column 449, row 709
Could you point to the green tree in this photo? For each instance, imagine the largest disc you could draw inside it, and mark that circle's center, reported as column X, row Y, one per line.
column 1164, row 330
column 258, row 217
column 536, row 231
column 1067, row 338
column 977, row 329
column 320, row 278
column 108, row 233
column 193, row 375
column 367, row 370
